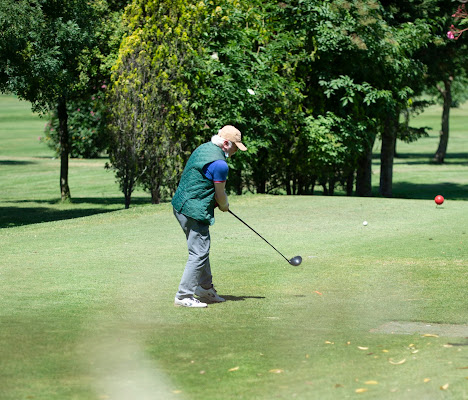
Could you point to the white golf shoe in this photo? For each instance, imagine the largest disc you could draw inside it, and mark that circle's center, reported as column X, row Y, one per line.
column 189, row 302
column 209, row 294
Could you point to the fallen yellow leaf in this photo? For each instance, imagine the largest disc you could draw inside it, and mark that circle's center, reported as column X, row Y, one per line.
column 361, row 390
column 426, row 380
column 276, row 371
column 233, row 369
column 448, row 345
column 445, row 387
column 397, row 362
column 371, row 383
column 384, row 351
column 177, row 391
column 328, row 342
column 429, row 335
column 363, row 348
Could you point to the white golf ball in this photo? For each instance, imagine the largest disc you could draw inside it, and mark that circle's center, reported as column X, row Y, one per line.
column 364, row 223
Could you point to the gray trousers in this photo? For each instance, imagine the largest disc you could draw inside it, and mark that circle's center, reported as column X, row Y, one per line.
column 197, row 270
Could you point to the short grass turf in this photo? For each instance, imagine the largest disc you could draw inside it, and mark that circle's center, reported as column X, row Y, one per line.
column 87, row 304
column 86, row 289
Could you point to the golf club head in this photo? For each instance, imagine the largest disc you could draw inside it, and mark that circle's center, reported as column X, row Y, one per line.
column 295, row 261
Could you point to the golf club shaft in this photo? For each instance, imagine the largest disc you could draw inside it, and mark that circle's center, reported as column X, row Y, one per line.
column 258, row 235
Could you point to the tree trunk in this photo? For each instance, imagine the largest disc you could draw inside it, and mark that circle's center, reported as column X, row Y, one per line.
column 64, row 142
column 300, row 185
column 155, row 195
column 128, row 183
column 313, row 180
column 288, row 184
column 350, row 184
column 259, row 171
column 331, row 186
column 395, row 154
column 387, row 153
column 439, row 156
column 128, row 199
column 323, row 183
column 238, row 181
column 364, row 174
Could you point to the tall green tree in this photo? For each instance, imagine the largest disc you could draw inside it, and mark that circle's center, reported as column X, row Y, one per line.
column 445, row 60
column 153, row 86
column 365, row 69
column 49, row 56
column 87, row 114
column 128, row 101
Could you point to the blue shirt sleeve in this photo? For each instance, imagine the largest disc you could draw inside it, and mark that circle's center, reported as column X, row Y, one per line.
column 217, row 171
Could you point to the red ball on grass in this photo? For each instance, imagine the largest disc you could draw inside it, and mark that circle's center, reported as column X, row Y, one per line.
column 439, row 199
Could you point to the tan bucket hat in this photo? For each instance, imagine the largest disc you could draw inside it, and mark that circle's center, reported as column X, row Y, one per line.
column 232, row 134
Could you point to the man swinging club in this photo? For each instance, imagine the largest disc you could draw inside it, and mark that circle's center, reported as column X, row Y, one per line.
column 201, row 187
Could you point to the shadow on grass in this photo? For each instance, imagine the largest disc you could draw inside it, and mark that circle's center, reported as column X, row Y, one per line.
column 17, row 215
column 85, row 200
column 426, row 159
column 241, row 298
column 16, row 162
column 410, row 190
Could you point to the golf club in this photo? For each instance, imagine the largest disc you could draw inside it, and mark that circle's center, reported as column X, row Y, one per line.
column 293, row 261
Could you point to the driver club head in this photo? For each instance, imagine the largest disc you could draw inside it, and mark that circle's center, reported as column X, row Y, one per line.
column 295, row 261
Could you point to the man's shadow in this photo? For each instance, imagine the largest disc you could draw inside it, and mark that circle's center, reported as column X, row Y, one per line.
column 241, row 298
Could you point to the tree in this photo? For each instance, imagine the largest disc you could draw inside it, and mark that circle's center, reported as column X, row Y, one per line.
column 250, row 83
column 445, row 60
column 87, row 115
column 47, row 57
column 362, row 68
column 152, row 93
column 127, row 118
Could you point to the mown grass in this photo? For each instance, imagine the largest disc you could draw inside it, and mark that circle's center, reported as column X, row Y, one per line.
column 87, row 294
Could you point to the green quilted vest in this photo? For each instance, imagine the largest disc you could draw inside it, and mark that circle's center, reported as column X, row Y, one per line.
column 194, row 196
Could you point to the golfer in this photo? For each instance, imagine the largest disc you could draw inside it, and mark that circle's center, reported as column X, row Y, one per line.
column 201, row 188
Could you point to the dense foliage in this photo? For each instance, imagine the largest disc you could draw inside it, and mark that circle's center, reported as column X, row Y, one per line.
column 312, row 84
column 289, row 75
column 87, row 126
